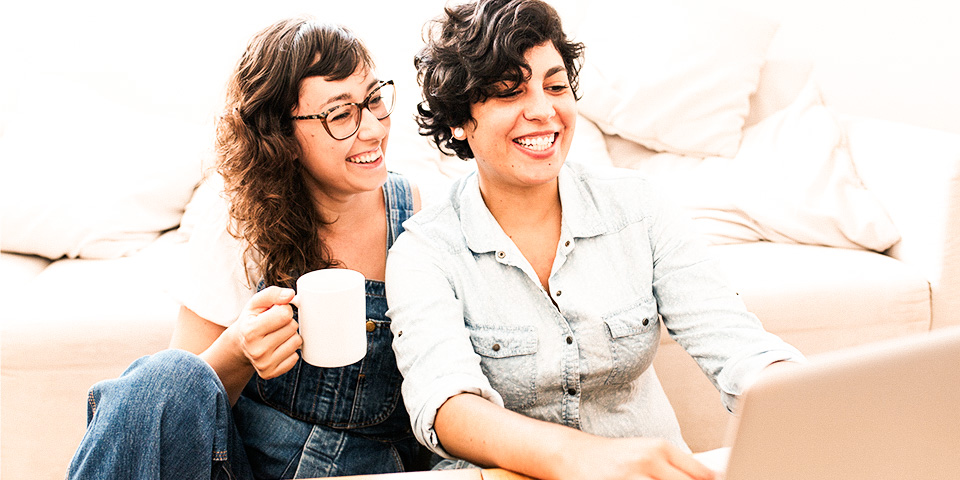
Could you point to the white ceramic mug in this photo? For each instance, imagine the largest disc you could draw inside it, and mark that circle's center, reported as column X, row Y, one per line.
column 332, row 312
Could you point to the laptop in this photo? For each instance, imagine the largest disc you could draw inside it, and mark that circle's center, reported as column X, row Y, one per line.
column 886, row 410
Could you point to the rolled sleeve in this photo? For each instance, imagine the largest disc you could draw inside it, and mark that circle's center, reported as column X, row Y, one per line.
column 424, row 418
column 741, row 372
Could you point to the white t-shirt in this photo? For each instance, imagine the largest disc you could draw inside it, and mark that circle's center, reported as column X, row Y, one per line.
column 214, row 283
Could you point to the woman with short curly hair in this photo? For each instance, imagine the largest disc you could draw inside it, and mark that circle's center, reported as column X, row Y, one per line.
column 301, row 151
column 527, row 307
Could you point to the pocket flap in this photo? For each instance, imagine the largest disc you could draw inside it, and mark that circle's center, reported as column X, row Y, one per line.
column 633, row 321
column 501, row 342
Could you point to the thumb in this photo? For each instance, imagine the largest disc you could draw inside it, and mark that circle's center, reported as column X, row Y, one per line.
column 269, row 297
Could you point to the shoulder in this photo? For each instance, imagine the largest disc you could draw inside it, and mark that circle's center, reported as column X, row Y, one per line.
column 214, row 280
column 612, row 189
column 437, row 225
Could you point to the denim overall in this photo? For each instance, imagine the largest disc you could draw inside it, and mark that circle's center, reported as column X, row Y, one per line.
column 168, row 415
column 356, row 415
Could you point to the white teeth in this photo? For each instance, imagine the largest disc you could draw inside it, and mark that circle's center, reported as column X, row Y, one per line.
column 536, row 143
column 368, row 157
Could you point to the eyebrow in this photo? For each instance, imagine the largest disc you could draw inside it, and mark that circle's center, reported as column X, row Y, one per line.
column 555, row 70
column 346, row 96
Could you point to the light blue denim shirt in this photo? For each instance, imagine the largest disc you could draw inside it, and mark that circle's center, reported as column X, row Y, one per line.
column 469, row 314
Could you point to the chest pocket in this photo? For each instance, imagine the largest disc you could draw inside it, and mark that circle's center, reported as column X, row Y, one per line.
column 358, row 395
column 634, row 336
column 508, row 360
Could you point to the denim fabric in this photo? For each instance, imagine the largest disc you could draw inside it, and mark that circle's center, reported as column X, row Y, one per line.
column 358, row 395
column 166, row 417
column 469, row 313
column 350, row 420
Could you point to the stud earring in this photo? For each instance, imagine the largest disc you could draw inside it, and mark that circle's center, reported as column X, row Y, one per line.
column 458, row 133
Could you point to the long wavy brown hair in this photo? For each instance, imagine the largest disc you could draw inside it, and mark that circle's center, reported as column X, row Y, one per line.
column 258, row 154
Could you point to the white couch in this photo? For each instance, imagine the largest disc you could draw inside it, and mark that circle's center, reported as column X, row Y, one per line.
column 101, row 154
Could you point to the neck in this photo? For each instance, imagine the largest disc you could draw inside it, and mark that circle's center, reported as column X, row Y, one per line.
column 343, row 213
column 520, row 208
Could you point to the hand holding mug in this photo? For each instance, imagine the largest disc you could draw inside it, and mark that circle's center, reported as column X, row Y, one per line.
column 268, row 333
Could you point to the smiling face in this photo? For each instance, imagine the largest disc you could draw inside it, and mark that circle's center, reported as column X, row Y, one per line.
column 520, row 138
column 338, row 168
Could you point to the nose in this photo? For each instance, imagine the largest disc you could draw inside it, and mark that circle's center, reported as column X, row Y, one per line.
column 538, row 106
column 370, row 127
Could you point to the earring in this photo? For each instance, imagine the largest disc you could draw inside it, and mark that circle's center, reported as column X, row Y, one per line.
column 458, row 133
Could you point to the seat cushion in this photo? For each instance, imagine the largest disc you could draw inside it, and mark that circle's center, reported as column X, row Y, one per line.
column 801, row 291
column 75, row 323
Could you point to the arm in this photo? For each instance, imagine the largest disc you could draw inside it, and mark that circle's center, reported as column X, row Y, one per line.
column 453, row 408
column 481, row 432
column 264, row 339
column 700, row 311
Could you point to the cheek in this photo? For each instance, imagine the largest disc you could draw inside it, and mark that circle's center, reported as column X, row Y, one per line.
column 313, row 143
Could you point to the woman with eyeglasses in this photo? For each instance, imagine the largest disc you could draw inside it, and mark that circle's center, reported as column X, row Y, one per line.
column 301, row 151
column 527, row 307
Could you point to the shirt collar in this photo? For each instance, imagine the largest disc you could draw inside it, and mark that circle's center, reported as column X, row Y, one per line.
column 581, row 214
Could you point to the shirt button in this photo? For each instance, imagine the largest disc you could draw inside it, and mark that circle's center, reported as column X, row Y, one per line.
column 569, row 340
column 496, row 347
column 371, row 326
column 501, row 254
column 558, row 293
column 572, row 391
column 646, row 321
column 567, row 243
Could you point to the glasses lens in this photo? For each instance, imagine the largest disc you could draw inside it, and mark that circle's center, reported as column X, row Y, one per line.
column 381, row 100
column 342, row 121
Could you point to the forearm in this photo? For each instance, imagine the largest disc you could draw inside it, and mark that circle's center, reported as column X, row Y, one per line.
column 474, row 429
column 234, row 371
column 216, row 346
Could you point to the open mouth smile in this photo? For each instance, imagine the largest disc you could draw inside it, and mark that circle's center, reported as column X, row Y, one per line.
column 537, row 143
column 366, row 157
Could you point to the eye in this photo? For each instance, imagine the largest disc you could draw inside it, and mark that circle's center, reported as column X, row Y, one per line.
column 340, row 114
column 558, row 88
column 507, row 93
column 374, row 101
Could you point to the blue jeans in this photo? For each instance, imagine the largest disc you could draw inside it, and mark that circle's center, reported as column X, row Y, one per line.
column 168, row 417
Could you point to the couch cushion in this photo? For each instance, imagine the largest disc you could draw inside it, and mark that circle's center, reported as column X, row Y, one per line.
column 792, row 181
column 105, row 176
column 672, row 76
column 76, row 323
column 798, row 290
column 18, row 270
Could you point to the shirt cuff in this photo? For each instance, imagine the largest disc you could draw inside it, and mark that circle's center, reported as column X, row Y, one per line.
column 451, row 386
column 739, row 373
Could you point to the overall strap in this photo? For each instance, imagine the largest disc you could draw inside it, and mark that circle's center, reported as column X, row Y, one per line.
column 398, row 196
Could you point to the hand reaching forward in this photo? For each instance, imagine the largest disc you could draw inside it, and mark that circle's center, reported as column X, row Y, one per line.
column 635, row 458
column 267, row 332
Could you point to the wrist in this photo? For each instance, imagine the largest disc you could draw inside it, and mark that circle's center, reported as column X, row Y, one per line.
column 226, row 356
column 562, row 457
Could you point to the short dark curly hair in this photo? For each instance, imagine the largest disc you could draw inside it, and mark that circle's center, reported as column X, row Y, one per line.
column 473, row 47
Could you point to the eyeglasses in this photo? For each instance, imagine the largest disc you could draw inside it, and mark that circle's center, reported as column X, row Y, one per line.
column 343, row 120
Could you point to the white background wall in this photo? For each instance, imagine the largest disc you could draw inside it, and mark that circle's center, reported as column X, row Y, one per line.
column 890, row 59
